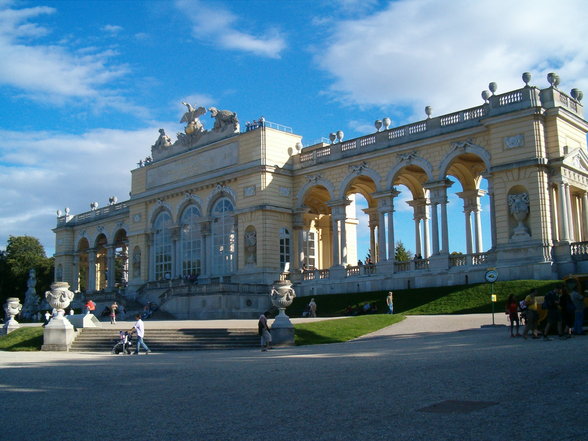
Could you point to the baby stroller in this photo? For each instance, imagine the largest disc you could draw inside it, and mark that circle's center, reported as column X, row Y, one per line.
column 123, row 343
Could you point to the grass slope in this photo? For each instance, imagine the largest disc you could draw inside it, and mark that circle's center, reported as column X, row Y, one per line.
column 464, row 299
column 337, row 331
column 23, row 339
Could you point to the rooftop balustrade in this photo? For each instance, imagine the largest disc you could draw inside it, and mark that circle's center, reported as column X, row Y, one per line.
column 525, row 98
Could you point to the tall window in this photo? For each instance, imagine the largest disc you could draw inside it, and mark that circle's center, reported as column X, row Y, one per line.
column 309, row 249
column 191, row 241
column 224, row 241
column 162, row 246
column 284, row 247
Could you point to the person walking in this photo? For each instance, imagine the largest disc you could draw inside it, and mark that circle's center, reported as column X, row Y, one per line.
column 390, row 302
column 312, row 308
column 139, row 328
column 264, row 333
column 512, row 310
column 113, row 311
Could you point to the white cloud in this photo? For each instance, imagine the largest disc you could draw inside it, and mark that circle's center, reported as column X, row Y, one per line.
column 443, row 54
column 218, row 26
column 112, row 29
column 55, row 73
column 36, row 180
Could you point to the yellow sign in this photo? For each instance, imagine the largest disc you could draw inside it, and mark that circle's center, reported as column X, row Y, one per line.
column 494, row 297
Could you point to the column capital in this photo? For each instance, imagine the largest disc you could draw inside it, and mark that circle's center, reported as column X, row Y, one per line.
column 420, row 208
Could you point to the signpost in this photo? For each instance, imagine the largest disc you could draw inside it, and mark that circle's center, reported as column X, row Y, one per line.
column 491, row 276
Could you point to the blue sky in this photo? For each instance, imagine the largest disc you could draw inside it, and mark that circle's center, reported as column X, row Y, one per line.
column 84, row 85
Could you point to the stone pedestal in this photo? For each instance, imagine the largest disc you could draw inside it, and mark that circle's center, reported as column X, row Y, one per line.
column 9, row 326
column 84, row 321
column 58, row 335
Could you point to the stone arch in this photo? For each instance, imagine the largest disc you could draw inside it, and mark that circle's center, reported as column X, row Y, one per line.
column 359, row 171
column 189, row 199
column 406, row 160
column 461, row 148
column 83, row 242
column 315, row 181
column 158, row 208
column 219, row 192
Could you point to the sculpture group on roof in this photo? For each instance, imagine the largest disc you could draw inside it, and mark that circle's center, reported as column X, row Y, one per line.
column 226, row 123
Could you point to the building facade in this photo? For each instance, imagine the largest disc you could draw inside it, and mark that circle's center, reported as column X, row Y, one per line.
column 216, row 216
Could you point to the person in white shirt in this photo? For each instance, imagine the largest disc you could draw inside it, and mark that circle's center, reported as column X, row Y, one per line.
column 139, row 328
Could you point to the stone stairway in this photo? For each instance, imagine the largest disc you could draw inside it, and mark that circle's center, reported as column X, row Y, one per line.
column 166, row 340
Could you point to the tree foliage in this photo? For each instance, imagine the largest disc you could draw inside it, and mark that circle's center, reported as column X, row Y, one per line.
column 22, row 254
column 401, row 254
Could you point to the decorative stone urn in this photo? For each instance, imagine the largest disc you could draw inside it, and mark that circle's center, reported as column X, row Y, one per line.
column 59, row 297
column 59, row 332
column 519, row 209
column 282, row 295
column 12, row 307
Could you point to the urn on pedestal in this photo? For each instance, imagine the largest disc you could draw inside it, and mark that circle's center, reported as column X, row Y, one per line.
column 282, row 295
column 59, row 332
column 12, row 307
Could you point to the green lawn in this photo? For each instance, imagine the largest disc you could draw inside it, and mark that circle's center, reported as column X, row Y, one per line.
column 464, row 299
column 340, row 330
column 23, row 339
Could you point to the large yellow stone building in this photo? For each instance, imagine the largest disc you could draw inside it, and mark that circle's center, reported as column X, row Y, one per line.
column 215, row 217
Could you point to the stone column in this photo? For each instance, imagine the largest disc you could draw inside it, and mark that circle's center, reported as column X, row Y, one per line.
column 110, row 267
column 335, row 236
column 373, row 222
column 434, row 227
column 391, row 239
column 491, row 201
column 417, row 236
column 175, row 251
column 91, row 269
column 381, row 235
column 151, row 255
column 75, row 280
column 444, row 226
column 569, row 213
column 206, row 247
column 419, row 206
column 468, row 228
column 299, row 235
column 565, row 234
column 478, row 230
column 343, row 241
column 426, row 241
column 585, row 216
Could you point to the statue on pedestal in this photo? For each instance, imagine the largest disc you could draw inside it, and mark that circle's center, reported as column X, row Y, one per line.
column 31, row 302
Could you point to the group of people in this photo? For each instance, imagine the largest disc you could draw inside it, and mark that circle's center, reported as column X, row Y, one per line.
column 565, row 313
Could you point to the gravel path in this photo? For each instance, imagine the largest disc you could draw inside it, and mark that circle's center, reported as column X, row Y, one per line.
column 426, row 378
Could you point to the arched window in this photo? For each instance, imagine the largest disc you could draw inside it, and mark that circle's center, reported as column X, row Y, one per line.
column 284, row 247
column 224, row 241
column 191, row 242
column 162, row 246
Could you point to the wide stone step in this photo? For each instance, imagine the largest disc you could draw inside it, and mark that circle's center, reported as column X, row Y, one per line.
column 165, row 340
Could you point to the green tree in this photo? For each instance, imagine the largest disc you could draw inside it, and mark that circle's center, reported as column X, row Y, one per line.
column 22, row 254
column 401, row 254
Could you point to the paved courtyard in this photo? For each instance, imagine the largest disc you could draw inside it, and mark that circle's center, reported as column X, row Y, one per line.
column 427, row 378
